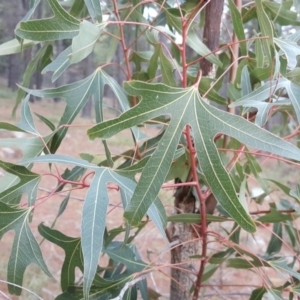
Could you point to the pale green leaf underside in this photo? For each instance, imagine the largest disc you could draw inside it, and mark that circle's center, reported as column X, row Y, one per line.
column 14, row 46
column 187, row 107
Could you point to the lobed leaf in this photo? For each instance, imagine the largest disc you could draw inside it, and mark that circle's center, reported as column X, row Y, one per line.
column 186, row 107
column 25, row 249
column 61, row 26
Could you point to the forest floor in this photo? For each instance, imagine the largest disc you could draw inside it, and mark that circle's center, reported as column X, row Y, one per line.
column 231, row 283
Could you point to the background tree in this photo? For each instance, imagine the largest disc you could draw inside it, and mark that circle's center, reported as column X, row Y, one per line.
column 174, row 66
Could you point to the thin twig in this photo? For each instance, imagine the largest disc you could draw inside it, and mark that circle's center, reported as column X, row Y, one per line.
column 127, row 286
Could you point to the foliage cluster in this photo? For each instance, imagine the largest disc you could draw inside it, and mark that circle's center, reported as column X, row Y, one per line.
column 212, row 150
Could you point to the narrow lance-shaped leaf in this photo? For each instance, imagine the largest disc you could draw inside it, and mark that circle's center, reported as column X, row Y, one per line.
column 61, row 26
column 59, row 64
column 30, row 69
column 187, row 107
column 26, row 123
column 238, row 26
column 94, row 8
column 14, row 46
column 25, row 249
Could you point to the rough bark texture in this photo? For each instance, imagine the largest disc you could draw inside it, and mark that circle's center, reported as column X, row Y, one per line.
column 211, row 32
column 184, row 270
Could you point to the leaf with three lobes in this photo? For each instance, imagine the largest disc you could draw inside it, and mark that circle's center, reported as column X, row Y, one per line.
column 61, row 26
column 27, row 184
column 25, row 249
column 95, row 209
column 76, row 96
column 186, row 107
column 72, row 248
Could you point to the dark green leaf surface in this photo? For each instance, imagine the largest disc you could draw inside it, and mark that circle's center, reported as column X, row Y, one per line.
column 61, row 26
column 25, row 249
column 73, row 254
column 258, row 293
column 187, row 107
column 27, row 184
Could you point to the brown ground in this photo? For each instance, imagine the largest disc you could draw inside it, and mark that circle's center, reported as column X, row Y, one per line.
column 149, row 242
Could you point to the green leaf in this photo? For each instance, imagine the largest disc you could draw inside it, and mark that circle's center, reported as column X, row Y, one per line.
column 241, row 263
column 33, row 5
column 59, row 64
column 27, row 184
column 238, row 26
column 190, row 218
column 30, row 69
column 258, row 293
column 275, row 243
column 187, row 107
column 94, row 8
column 265, row 25
column 76, row 96
column 78, row 9
column 93, row 226
column 282, row 267
column 10, row 127
column 275, row 217
column 73, row 255
column 213, row 95
column 274, row 294
column 14, row 46
column 61, row 26
column 125, row 254
column 95, row 207
column 282, row 13
column 263, row 93
column 26, row 123
column 83, row 43
column 192, row 39
column 291, row 51
column 30, row 147
column 180, row 168
column 46, row 121
column 25, row 249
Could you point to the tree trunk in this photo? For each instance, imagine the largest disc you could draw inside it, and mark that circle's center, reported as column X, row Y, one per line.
column 184, row 271
column 183, row 236
column 211, row 32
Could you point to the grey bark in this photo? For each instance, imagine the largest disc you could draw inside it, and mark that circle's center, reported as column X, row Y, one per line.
column 183, row 236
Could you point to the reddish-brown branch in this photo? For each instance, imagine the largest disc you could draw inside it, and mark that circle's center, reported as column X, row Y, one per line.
column 122, row 39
